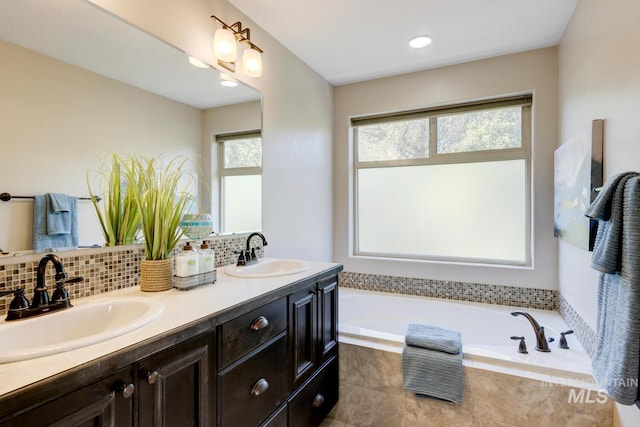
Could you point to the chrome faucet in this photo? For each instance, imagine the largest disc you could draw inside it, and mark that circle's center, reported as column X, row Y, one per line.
column 541, row 340
column 248, row 256
column 19, row 308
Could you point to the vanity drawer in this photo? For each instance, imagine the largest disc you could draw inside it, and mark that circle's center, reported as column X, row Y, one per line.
column 247, row 332
column 255, row 387
column 316, row 398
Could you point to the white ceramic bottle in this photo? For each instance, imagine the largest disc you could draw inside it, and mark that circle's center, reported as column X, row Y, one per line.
column 187, row 262
column 206, row 262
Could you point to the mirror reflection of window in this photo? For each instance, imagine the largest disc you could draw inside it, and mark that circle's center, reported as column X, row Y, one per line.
column 240, row 169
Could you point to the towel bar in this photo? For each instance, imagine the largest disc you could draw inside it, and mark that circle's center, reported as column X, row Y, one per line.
column 5, row 197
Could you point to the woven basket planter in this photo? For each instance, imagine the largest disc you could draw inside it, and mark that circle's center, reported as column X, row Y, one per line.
column 156, row 275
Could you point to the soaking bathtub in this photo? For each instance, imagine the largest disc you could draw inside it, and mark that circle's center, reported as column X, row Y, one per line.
column 379, row 320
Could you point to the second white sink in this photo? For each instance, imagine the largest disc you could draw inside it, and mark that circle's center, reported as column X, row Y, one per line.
column 75, row 327
column 267, row 267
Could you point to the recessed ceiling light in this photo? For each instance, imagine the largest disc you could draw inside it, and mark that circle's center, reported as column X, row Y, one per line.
column 420, row 42
column 197, row 63
column 227, row 81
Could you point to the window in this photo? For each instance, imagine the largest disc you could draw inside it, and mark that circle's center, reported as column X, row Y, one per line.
column 240, row 157
column 449, row 183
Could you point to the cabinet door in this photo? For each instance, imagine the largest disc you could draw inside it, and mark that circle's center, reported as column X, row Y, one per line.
column 174, row 386
column 328, row 318
column 303, row 325
column 106, row 403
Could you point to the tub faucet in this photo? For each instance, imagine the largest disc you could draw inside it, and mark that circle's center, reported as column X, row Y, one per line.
column 541, row 340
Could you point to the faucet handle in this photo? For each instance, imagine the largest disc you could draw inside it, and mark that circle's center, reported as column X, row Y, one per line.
column 241, row 259
column 61, row 294
column 19, row 301
column 522, row 348
column 563, row 340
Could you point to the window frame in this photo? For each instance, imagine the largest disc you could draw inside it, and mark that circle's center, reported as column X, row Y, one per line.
column 239, row 171
column 525, row 101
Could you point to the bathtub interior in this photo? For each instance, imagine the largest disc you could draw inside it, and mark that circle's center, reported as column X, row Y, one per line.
column 379, row 320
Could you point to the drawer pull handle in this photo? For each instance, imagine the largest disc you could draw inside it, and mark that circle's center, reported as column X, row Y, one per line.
column 259, row 387
column 125, row 390
column 151, row 377
column 318, row 400
column 260, row 323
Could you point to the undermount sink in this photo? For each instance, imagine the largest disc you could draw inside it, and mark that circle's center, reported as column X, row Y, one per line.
column 75, row 327
column 266, row 267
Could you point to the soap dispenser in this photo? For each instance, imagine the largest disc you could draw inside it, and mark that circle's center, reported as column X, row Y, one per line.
column 187, row 262
column 206, row 261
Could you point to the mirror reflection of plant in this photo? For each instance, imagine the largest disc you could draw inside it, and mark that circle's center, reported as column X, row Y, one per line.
column 119, row 216
column 163, row 197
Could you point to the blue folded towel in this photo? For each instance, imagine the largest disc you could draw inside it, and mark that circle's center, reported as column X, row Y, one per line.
column 431, row 373
column 433, row 338
column 42, row 240
column 432, row 362
column 58, row 214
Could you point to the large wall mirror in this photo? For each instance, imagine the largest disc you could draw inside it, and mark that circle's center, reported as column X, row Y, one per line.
column 77, row 84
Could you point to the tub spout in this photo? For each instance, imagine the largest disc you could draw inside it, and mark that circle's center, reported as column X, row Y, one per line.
column 541, row 340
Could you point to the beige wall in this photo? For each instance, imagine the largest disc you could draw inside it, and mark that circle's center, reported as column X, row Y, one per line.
column 297, row 120
column 599, row 79
column 57, row 121
column 534, row 71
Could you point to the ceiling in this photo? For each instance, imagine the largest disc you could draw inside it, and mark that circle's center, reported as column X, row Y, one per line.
column 80, row 33
column 348, row 41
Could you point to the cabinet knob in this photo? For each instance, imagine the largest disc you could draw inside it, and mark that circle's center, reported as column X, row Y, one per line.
column 151, row 377
column 259, row 387
column 318, row 400
column 260, row 323
column 125, row 390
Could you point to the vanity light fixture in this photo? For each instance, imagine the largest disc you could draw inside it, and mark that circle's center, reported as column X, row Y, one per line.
column 420, row 42
column 225, row 48
column 227, row 81
column 197, row 63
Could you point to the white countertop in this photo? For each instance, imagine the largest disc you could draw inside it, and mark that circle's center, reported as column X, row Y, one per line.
column 180, row 308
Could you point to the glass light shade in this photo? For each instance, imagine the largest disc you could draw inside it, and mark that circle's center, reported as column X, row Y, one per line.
column 224, row 45
column 252, row 63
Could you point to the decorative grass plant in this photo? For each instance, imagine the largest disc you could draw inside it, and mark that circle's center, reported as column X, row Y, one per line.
column 150, row 195
column 163, row 197
column 119, row 216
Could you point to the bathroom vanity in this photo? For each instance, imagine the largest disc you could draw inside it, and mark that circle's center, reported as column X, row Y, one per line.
column 241, row 352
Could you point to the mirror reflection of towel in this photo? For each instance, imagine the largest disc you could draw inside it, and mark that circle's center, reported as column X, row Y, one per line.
column 58, row 214
column 42, row 240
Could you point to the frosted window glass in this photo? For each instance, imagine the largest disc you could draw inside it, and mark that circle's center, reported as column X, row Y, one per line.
column 242, row 200
column 467, row 210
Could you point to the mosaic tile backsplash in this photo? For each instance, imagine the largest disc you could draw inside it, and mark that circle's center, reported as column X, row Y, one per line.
column 104, row 269
column 543, row 299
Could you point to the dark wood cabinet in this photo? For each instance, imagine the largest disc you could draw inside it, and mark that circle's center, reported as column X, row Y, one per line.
column 254, row 387
column 303, row 329
column 175, row 387
column 314, row 400
column 313, row 331
column 270, row 365
column 327, row 318
column 105, row 403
